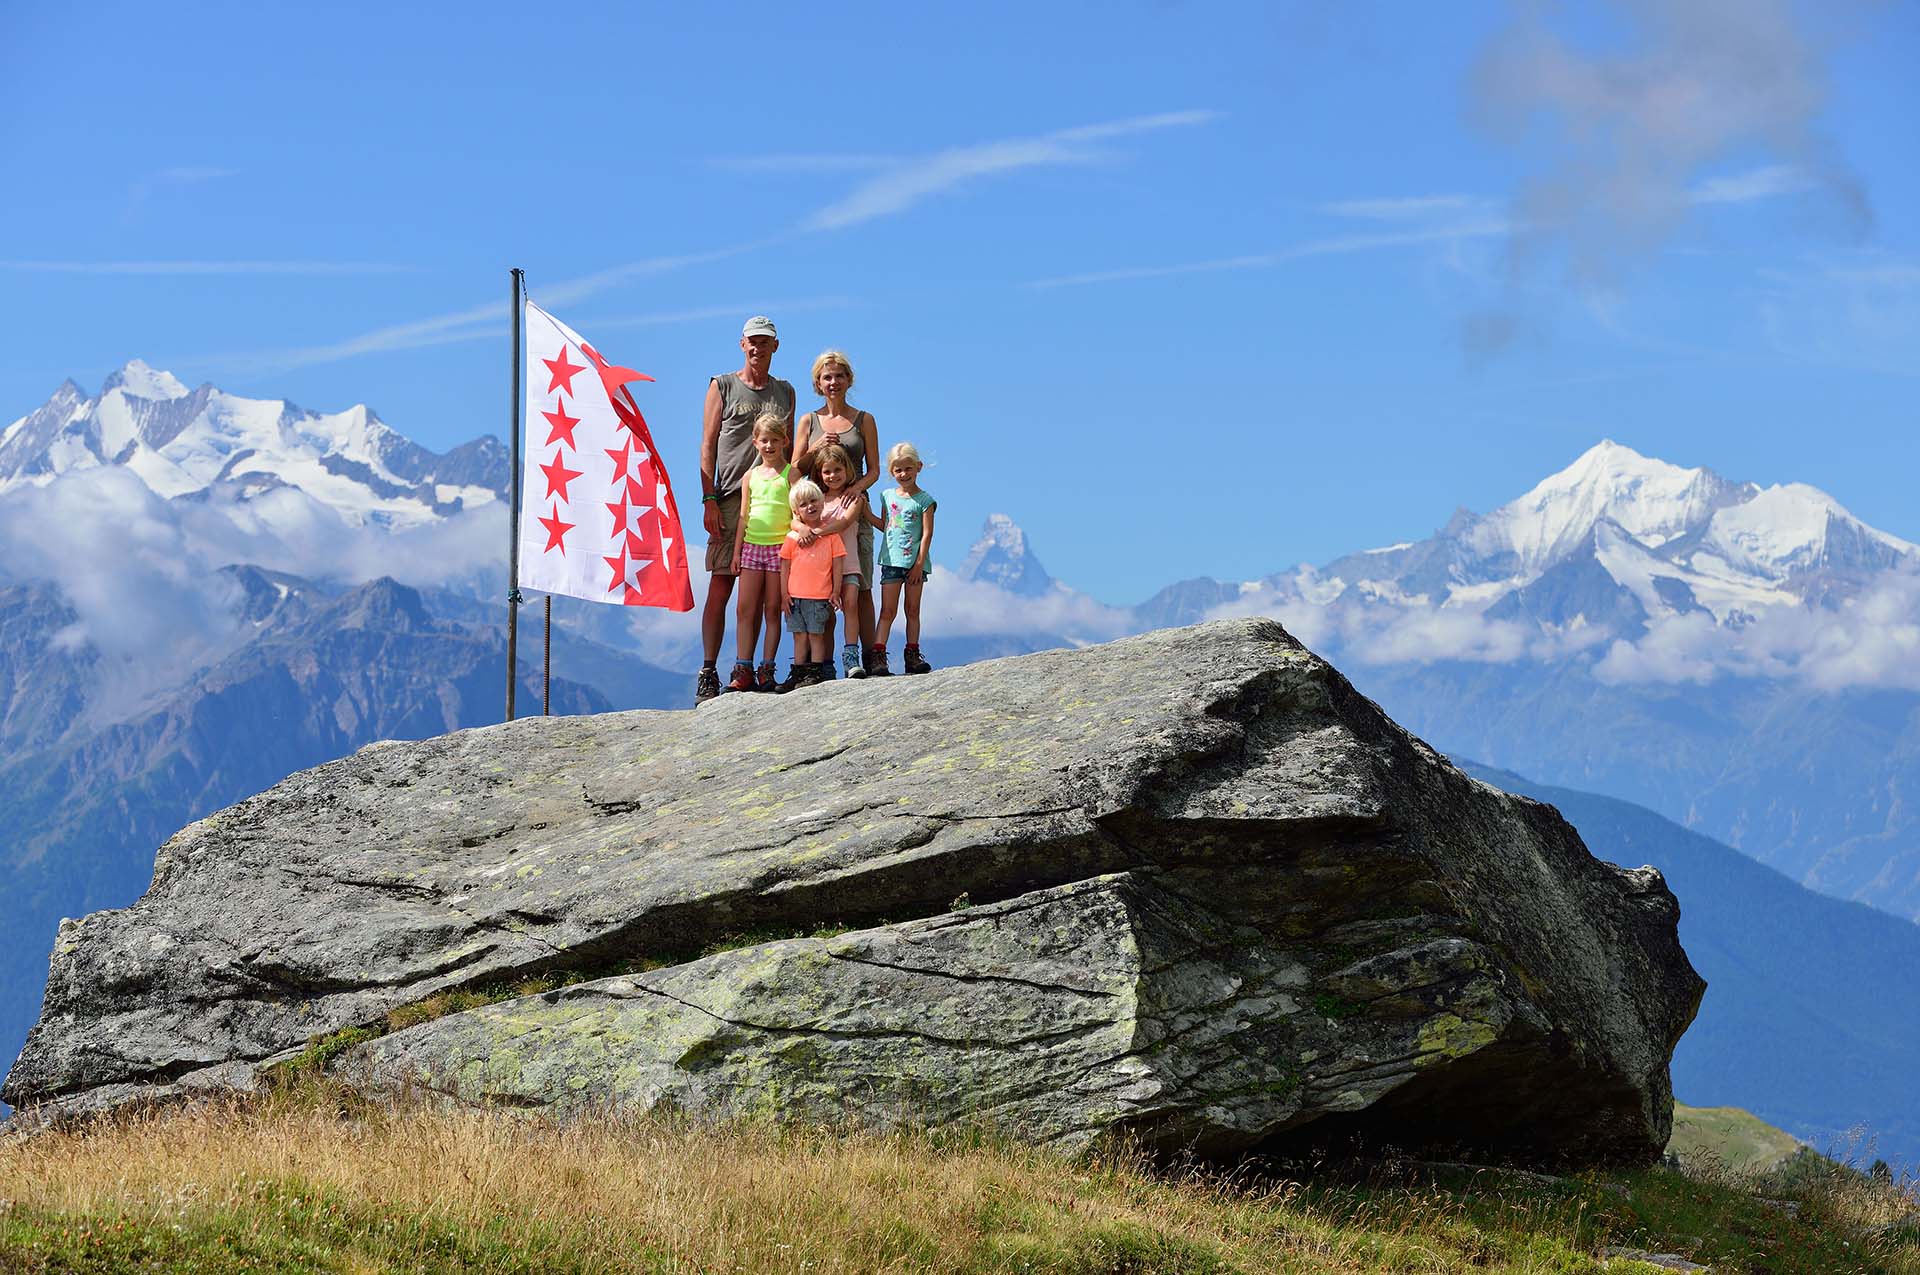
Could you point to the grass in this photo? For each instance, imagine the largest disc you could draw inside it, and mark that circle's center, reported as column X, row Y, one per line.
column 315, row 1180
column 1732, row 1137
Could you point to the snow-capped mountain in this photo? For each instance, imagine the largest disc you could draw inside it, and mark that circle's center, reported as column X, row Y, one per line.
column 1000, row 557
column 1609, row 544
column 205, row 444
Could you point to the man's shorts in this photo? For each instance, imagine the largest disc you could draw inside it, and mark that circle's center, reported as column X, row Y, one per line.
column 898, row 575
column 720, row 547
column 810, row 615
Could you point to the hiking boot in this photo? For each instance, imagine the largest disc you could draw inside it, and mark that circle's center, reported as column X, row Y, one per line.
column 797, row 677
column 915, row 663
column 822, row 672
column 765, row 677
column 742, row 679
column 707, row 685
column 876, row 662
column 850, row 665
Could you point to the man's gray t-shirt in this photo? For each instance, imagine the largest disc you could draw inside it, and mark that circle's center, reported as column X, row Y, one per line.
column 740, row 407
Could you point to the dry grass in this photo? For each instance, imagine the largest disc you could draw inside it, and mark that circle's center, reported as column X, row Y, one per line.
column 294, row 1184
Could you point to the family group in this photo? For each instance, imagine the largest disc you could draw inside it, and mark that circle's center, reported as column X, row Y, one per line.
column 789, row 519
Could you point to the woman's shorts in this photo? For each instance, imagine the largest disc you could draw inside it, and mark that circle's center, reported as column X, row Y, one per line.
column 760, row 558
column 810, row 615
column 898, row 575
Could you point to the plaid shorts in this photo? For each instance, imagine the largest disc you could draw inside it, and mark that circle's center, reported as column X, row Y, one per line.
column 760, row 558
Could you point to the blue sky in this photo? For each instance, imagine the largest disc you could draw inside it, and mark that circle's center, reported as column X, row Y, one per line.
column 1185, row 288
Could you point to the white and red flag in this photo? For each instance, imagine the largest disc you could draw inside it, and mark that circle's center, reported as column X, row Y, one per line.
column 597, row 515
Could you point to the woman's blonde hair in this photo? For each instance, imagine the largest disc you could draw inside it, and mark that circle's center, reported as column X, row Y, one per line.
column 826, row 357
column 803, row 491
column 904, row 451
column 771, row 423
column 816, row 460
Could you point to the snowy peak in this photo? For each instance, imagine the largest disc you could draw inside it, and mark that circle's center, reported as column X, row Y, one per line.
column 1651, row 500
column 137, row 380
column 1000, row 557
column 205, row 443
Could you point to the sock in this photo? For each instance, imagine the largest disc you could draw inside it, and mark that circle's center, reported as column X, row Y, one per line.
column 913, row 646
column 709, row 664
column 851, row 650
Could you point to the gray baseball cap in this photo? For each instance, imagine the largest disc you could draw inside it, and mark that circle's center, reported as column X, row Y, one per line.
column 759, row 325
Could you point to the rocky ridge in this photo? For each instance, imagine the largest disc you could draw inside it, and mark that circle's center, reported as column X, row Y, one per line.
column 1217, row 900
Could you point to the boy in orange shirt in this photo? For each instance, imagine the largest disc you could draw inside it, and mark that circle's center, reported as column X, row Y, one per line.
column 811, row 577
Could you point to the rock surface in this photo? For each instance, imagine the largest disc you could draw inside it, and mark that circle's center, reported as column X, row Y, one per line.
column 1220, row 901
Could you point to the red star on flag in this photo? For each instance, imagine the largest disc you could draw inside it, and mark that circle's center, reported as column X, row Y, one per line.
column 619, row 565
column 556, row 531
column 563, row 372
column 562, row 424
column 558, row 476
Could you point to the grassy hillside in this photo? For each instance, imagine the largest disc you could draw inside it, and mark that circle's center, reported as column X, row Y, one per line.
column 322, row 1184
column 1731, row 1137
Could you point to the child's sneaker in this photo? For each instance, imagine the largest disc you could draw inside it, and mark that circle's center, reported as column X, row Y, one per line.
column 850, row 665
column 914, row 663
column 742, row 679
column 766, row 677
column 876, row 662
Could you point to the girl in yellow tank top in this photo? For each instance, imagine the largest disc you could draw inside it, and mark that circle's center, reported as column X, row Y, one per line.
column 763, row 523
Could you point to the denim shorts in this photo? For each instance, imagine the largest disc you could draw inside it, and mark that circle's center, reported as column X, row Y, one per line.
column 898, row 575
column 810, row 615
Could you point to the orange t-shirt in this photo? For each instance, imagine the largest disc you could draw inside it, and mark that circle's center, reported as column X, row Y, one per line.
column 811, row 575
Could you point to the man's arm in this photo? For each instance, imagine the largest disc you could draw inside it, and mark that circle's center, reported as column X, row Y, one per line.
column 710, row 457
column 740, row 527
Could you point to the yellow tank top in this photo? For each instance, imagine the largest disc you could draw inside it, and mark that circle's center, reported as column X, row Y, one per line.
column 768, row 516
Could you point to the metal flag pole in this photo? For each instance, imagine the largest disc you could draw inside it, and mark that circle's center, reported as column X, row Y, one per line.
column 513, row 509
column 546, row 666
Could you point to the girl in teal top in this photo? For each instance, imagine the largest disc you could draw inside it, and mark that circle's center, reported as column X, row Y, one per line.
column 764, row 519
column 906, row 555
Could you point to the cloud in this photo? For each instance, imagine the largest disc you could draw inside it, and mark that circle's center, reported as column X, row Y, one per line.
column 1337, row 245
column 822, row 163
column 1407, row 207
column 1872, row 640
column 1861, row 314
column 179, row 175
column 207, row 267
column 908, row 182
column 1630, row 131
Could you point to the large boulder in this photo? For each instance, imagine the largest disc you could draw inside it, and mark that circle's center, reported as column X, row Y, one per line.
column 1218, row 900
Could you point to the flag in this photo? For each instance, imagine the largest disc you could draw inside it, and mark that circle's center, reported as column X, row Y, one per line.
column 597, row 515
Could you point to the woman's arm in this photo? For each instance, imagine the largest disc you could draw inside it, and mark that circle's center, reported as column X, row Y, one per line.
column 926, row 545
column 802, row 431
column 870, row 437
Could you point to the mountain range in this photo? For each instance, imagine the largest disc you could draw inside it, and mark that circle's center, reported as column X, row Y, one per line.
column 1724, row 654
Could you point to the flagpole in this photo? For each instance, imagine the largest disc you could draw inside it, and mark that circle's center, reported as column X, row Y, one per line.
column 513, row 509
column 546, row 665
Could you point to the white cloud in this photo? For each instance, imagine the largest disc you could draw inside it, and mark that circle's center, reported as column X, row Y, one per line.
column 1338, row 245
column 206, row 267
column 1407, row 208
column 902, row 185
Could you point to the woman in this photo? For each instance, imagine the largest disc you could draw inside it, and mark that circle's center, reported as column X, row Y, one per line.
column 836, row 421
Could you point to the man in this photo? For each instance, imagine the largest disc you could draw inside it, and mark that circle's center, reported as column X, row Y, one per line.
column 734, row 401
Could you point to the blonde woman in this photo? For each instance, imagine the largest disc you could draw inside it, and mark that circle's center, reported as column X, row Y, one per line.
column 837, row 421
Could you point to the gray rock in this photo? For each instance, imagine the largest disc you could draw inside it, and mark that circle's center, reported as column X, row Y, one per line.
column 1223, row 901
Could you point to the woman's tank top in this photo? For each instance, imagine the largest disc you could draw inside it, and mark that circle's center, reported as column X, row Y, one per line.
column 768, row 516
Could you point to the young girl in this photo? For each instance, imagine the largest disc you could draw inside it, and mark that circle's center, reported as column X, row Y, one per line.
column 904, row 560
column 764, row 519
column 831, row 466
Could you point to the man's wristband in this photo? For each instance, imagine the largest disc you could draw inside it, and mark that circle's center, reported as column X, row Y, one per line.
column 710, row 496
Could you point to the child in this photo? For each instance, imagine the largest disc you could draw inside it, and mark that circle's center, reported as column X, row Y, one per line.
column 813, row 577
column 764, row 519
column 832, row 467
column 904, row 560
